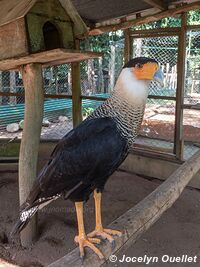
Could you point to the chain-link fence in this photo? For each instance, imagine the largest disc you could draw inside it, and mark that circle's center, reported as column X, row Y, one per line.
column 57, row 108
column 158, row 128
column 159, row 121
column 98, row 77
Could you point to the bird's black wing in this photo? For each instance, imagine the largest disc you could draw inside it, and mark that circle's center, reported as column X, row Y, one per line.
column 93, row 150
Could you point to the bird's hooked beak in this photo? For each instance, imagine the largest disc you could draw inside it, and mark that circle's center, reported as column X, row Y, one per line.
column 149, row 71
column 159, row 77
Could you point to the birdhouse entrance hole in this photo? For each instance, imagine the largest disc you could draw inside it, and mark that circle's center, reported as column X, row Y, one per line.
column 51, row 36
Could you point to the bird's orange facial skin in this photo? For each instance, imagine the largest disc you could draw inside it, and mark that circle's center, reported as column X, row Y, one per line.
column 146, row 71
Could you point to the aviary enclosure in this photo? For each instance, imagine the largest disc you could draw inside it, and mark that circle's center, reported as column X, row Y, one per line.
column 170, row 119
column 170, row 129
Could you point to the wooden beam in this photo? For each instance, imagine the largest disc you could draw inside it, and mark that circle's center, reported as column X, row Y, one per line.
column 34, row 99
column 80, row 28
column 96, row 98
column 45, row 95
column 166, row 30
column 76, row 92
column 138, row 219
column 147, row 19
column 48, row 58
column 156, row 3
column 178, row 134
column 127, row 46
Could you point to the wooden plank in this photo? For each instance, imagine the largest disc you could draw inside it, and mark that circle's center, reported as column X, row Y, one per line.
column 191, row 106
column 13, row 41
column 76, row 92
column 178, row 134
column 45, row 95
column 157, row 30
column 153, row 35
column 49, row 58
column 138, row 219
column 156, row 3
column 193, row 27
column 162, row 97
column 34, row 99
column 127, row 46
column 94, row 97
column 80, row 28
column 173, row 98
column 147, row 152
column 146, row 19
column 11, row 10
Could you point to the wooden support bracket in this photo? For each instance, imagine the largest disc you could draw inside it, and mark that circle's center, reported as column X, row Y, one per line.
column 138, row 219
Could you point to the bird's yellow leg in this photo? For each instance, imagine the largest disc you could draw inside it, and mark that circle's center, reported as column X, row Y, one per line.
column 82, row 238
column 99, row 230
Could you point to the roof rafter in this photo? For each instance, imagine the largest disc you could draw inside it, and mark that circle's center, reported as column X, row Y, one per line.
column 150, row 18
column 156, row 3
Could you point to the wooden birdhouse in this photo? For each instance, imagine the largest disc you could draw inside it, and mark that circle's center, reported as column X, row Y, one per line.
column 41, row 31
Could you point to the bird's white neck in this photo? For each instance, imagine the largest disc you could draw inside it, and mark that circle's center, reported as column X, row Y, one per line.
column 126, row 105
column 130, row 89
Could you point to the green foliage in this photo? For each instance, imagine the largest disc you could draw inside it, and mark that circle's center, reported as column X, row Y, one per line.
column 193, row 17
column 96, row 74
column 87, row 111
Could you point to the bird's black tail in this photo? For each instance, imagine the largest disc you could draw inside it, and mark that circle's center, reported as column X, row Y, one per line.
column 25, row 216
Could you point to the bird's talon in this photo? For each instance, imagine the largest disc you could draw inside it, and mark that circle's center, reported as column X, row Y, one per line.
column 113, row 232
column 94, row 240
column 105, row 234
column 88, row 242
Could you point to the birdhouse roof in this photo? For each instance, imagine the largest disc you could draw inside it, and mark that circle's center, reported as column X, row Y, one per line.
column 11, row 10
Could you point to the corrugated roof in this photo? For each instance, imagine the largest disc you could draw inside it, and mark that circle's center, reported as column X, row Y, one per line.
column 100, row 10
column 91, row 11
column 97, row 11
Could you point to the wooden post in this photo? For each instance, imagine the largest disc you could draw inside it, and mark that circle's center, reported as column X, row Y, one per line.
column 12, row 87
column 1, row 86
column 179, row 143
column 76, row 92
column 34, row 100
column 112, row 69
column 128, row 53
column 138, row 219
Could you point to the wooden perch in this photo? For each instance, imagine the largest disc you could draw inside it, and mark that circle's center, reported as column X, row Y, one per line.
column 147, row 19
column 138, row 219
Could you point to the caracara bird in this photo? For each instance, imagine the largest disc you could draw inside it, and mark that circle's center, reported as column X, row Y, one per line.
column 84, row 159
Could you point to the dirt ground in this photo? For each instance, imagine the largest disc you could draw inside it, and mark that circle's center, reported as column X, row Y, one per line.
column 177, row 233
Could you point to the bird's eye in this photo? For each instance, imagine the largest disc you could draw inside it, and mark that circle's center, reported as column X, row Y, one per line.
column 139, row 65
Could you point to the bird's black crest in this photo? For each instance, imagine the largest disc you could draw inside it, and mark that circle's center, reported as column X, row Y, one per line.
column 139, row 60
